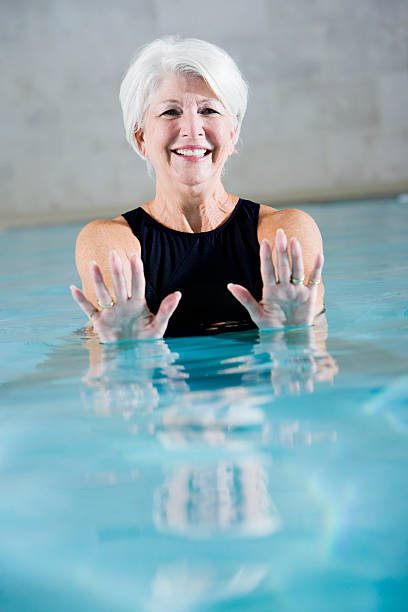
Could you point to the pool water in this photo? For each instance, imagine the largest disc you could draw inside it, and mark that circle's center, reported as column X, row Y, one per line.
column 243, row 471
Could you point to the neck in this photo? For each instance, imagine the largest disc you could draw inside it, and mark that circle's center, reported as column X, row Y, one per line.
column 192, row 209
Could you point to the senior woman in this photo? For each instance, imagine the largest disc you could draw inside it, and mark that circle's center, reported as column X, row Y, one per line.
column 195, row 259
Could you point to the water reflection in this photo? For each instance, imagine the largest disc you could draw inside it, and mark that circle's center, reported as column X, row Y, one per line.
column 200, row 474
column 240, row 369
column 210, row 405
column 185, row 586
column 210, row 499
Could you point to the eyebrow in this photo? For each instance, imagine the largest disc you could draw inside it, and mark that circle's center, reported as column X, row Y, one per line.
column 173, row 101
column 169, row 101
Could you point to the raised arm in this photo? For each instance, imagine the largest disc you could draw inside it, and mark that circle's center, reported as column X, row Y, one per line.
column 291, row 265
column 94, row 243
column 296, row 224
column 113, row 294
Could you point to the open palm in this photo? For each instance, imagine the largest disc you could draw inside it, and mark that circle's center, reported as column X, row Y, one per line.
column 286, row 301
column 128, row 318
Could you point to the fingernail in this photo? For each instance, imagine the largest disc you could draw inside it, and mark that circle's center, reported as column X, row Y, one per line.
column 93, row 262
column 230, row 285
column 72, row 287
column 280, row 230
column 265, row 240
column 178, row 293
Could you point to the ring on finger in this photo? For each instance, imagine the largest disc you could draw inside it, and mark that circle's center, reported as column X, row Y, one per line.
column 313, row 282
column 105, row 306
column 297, row 281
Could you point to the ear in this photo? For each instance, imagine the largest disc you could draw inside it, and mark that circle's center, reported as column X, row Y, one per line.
column 139, row 135
column 233, row 135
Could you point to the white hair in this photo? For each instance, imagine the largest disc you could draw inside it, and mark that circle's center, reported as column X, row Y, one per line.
column 173, row 55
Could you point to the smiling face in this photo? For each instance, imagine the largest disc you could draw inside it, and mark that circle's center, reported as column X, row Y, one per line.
column 188, row 134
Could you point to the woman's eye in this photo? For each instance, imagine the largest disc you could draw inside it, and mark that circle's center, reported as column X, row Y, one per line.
column 171, row 112
column 208, row 111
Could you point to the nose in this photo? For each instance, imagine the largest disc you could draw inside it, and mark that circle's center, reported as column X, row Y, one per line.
column 192, row 124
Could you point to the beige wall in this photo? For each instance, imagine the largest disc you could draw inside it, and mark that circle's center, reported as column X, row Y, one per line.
column 327, row 114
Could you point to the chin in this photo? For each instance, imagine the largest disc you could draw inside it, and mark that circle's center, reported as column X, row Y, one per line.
column 195, row 179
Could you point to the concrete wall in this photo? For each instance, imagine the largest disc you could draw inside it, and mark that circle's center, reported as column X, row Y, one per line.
column 327, row 116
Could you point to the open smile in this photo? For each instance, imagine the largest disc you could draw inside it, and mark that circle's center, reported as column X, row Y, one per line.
column 192, row 154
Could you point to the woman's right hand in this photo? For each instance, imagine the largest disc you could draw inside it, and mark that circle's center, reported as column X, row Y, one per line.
column 129, row 318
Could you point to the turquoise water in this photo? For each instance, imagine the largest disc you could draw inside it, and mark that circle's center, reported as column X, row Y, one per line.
column 237, row 472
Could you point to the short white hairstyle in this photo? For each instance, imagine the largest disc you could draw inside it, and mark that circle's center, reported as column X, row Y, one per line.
column 188, row 56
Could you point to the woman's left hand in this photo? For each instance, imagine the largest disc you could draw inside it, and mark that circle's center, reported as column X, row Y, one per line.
column 285, row 302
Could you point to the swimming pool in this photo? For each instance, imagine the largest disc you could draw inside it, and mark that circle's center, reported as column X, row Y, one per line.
column 242, row 471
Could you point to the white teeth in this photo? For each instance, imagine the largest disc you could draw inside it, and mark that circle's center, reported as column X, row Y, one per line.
column 192, row 152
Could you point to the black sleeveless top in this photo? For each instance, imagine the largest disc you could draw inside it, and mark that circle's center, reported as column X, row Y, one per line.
column 200, row 265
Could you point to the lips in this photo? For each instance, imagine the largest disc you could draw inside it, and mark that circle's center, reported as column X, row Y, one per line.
column 191, row 152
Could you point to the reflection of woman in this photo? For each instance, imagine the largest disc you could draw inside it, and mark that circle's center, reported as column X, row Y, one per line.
column 136, row 378
column 195, row 253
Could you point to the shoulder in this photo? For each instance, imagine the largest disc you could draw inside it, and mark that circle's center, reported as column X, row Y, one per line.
column 293, row 221
column 107, row 234
column 105, row 227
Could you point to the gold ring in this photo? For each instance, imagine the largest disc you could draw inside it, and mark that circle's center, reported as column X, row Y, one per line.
column 105, row 306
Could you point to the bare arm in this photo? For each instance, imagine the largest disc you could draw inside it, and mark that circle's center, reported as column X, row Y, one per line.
column 300, row 225
column 113, row 295
column 290, row 269
column 94, row 243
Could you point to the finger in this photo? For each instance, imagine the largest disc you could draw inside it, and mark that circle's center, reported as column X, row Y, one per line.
column 267, row 269
column 118, row 277
column 316, row 273
column 245, row 298
column 294, row 387
column 298, row 270
column 82, row 302
column 167, row 308
column 102, row 294
column 283, row 265
column 138, row 279
column 309, row 386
